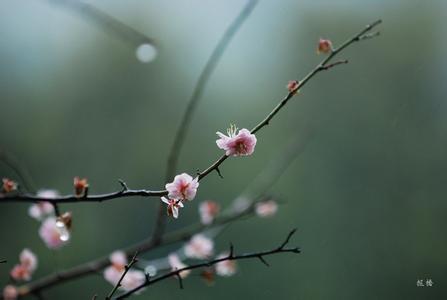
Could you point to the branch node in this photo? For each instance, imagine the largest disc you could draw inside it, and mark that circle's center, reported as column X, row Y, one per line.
column 124, row 185
column 218, row 172
column 262, row 259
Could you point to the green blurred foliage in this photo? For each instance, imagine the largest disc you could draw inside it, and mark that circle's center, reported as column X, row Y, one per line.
column 367, row 193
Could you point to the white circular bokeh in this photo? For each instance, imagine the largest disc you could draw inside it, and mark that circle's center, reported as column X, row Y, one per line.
column 146, row 53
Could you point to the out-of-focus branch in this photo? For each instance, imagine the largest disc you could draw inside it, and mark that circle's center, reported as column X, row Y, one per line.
column 282, row 248
column 104, row 21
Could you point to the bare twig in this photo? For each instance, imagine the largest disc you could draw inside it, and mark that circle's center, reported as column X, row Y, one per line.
column 126, row 269
column 259, row 255
column 3, row 261
column 197, row 93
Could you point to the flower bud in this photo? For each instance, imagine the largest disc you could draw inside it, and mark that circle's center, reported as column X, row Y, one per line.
column 324, row 46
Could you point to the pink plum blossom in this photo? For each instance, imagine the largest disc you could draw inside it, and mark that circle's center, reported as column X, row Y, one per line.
column 133, row 279
column 184, row 187
column 118, row 259
column 25, row 269
column 241, row 144
column 28, row 259
column 208, row 211
column 53, row 236
column 10, row 292
column 266, row 208
column 43, row 209
column 227, row 267
column 177, row 264
column 173, row 206
column 199, row 247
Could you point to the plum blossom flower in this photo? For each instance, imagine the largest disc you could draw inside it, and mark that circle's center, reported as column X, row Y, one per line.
column 225, row 268
column 293, row 86
column 176, row 264
column 173, row 206
column 28, row 259
column 53, row 236
column 199, row 247
column 8, row 185
column 184, row 187
column 133, row 279
column 80, row 186
column 43, row 209
column 26, row 267
column 324, row 46
column 118, row 259
column 241, row 144
column 208, row 211
column 10, row 292
column 266, row 208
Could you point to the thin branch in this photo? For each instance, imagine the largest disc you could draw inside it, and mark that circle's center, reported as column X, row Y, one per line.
column 107, row 23
column 3, row 261
column 90, row 198
column 176, row 273
column 126, row 269
column 323, row 65
column 197, row 93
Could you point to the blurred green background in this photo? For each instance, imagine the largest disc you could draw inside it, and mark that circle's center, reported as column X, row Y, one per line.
column 367, row 193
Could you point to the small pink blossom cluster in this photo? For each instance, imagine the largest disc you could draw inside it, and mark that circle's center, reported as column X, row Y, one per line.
column 223, row 268
column 236, row 143
column 43, row 209
column 26, row 267
column 199, row 247
column 182, row 189
column 10, row 292
column 208, row 211
column 266, row 208
column 55, row 232
column 113, row 273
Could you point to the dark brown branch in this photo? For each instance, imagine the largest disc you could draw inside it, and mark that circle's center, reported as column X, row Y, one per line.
column 197, row 93
column 18, row 197
column 259, row 255
column 126, row 269
column 323, row 65
column 3, row 261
